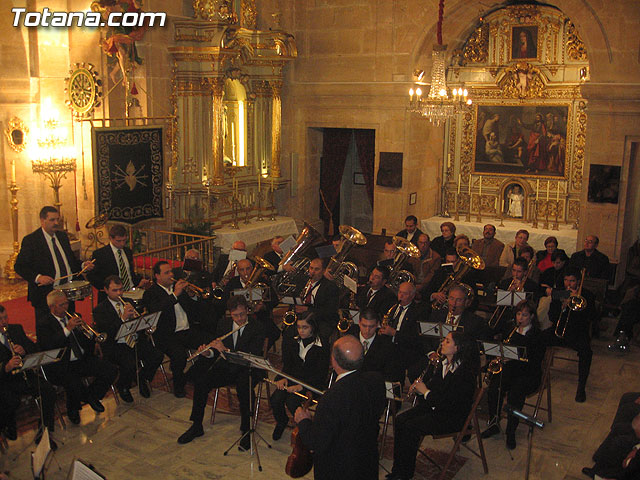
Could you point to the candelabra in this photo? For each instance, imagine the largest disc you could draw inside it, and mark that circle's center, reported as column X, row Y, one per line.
column 556, row 213
column 479, row 217
column 546, row 216
column 468, row 217
column 9, row 271
column 535, row 214
column 259, row 206
column 457, row 214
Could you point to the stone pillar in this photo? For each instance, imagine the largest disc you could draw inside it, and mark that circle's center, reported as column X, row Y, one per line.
column 217, row 147
column 276, row 124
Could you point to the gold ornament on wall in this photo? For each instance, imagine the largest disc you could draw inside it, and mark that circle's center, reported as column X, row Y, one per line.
column 575, row 47
column 16, row 133
column 83, row 90
column 220, row 11
column 476, row 49
column 521, row 80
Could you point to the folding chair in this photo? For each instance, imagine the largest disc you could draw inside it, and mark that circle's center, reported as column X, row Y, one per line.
column 389, row 411
column 470, row 427
column 545, row 385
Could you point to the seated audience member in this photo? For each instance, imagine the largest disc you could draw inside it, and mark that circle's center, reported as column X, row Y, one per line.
column 210, row 371
column 460, row 315
column 517, row 379
column 488, row 247
column 543, row 257
column 461, row 241
column 596, row 262
column 511, row 251
column 376, row 295
column 109, row 316
column 115, row 259
column 550, row 279
column 441, row 243
column 428, row 263
column 617, row 456
column 411, row 231
column 577, row 329
column 388, row 255
column 57, row 330
column 378, row 349
column 305, row 358
column 13, row 387
column 445, row 399
column 176, row 332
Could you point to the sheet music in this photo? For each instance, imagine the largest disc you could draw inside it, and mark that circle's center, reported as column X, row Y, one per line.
column 126, row 329
column 350, row 283
column 287, row 244
column 81, row 471
column 39, row 457
column 149, row 321
column 509, row 299
column 501, row 350
column 237, row 255
column 291, row 301
column 429, row 329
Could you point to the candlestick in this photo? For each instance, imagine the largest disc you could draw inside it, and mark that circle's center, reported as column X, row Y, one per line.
column 548, row 183
column 259, row 180
column 558, row 192
column 537, row 188
column 272, row 184
column 449, row 160
column 480, row 187
column 233, row 145
column 459, row 177
column 469, row 192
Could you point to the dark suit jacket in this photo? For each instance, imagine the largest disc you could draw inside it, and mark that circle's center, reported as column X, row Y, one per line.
column 326, row 302
column 440, row 245
column 221, row 266
column 35, row 259
column 597, row 264
column 471, row 323
column 108, row 321
column 379, row 356
column 18, row 337
column 407, row 344
column 51, row 335
column 313, row 370
column 251, row 340
column 344, row 431
column 156, row 299
column 405, row 234
column 274, row 259
column 106, row 264
column 381, row 302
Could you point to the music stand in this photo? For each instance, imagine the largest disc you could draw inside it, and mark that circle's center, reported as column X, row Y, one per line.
column 508, row 298
column 438, row 330
column 250, row 361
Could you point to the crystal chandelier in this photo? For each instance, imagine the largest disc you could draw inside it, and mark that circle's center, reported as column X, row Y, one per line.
column 439, row 106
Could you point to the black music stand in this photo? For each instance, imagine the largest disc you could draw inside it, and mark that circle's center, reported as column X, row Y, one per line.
column 252, row 362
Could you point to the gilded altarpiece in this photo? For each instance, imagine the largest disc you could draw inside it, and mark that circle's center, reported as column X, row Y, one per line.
column 523, row 66
column 226, row 84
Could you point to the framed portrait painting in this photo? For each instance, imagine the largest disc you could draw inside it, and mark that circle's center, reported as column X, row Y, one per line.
column 524, row 42
column 521, row 140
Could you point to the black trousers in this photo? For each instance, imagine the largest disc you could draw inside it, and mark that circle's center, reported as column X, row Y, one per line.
column 629, row 316
column 578, row 340
column 410, row 427
column 175, row 347
column 281, row 399
column 516, row 386
column 208, row 374
column 69, row 375
column 125, row 358
column 15, row 387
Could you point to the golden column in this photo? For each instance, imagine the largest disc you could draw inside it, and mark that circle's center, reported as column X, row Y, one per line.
column 276, row 125
column 217, row 142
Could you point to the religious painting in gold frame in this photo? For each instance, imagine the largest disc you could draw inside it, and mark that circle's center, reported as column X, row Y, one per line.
column 523, row 42
column 521, row 140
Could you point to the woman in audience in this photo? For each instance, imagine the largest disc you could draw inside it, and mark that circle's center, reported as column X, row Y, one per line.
column 444, row 241
column 550, row 279
column 518, row 378
column 543, row 257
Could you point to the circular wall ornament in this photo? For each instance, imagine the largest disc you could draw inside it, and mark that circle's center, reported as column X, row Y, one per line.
column 83, row 90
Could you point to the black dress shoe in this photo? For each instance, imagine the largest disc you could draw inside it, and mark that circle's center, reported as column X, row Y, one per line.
column 125, row 395
column 144, row 389
column 490, row 432
column 11, row 431
column 194, row 431
column 179, row 392
column 278, row 431
column 96, row 405
column 589, row 472
column 511, row 441
column 581, row 396
column 74, row 416
column 245, row 443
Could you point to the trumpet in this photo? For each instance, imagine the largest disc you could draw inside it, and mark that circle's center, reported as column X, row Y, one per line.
column 196, row 291
column 218, row 292
column 12, row 347
column 290, row 316
column 87, row 330
column 209, row 345
column 345, row 322
column 575, row 303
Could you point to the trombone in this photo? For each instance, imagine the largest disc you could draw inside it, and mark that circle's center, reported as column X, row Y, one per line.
column 87, row 330
column 575, row 303
column 494, row 321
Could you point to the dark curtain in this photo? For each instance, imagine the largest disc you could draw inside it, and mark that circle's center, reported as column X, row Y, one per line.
column 335, row 146
column 366, row 146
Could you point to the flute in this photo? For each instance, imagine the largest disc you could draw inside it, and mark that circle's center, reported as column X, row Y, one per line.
column 301, row 395
column 209, row 345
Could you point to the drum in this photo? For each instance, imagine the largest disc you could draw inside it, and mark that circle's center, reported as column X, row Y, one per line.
column 76, row 290
column 134, row 296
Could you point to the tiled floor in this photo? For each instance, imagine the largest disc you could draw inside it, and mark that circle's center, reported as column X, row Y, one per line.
column 140, row 443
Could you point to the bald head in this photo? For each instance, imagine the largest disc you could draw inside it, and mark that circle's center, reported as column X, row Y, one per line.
column 347, row 354
column 239, row 245
column 244, row 267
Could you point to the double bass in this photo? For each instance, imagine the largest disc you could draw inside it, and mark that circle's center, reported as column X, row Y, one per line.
column 300, row 461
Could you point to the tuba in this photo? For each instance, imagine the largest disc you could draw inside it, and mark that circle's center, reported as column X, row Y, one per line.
column 398, row 276
column 286, row 283
column 253, row 282
column 470, row 259
column 338, row 267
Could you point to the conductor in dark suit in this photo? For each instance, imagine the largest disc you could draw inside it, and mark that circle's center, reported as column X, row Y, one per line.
column 376, row 295
column 378, row 349
column 115, row 259
column 411, row 231
column 343, row 433
column 109, row 316
column 321, row 296
column 45, row 256
column 175, row 332
column 13, row 387
column 211, row 371
column 79, row 361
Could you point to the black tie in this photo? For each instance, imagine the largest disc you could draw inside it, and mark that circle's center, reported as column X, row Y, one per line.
column 75, row 346
column 61, row 264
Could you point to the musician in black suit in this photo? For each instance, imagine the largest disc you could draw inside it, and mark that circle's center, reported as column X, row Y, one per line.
column 518, row 282
column 433, row 293
column 212, row 371
column 115, row 259
column 378, row 349
column 79, row 361
column 376, row 295
column 45, row 256
column 321, row 296
column 343, row 433
column 224, row 266
column 517, row 379
column 305, row 358
column 445, row 400
column 13, row 387
column 176, row 332
column 403, row 329
column 411, row 231
column 459, row 314
column 275, row 255
column 108, row 317
column 578, row 326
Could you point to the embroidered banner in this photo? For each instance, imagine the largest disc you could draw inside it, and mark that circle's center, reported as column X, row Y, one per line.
column 128, row 172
